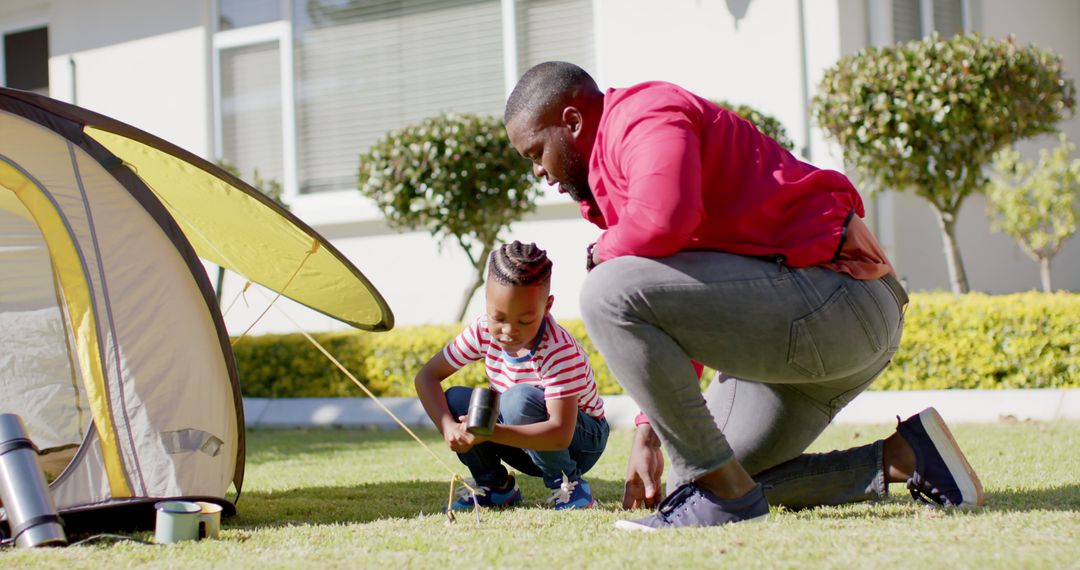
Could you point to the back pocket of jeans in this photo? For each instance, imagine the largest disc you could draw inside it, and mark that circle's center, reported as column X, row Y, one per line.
column 833, row 340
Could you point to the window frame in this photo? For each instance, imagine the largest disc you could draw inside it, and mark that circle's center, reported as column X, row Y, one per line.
column 279, row 32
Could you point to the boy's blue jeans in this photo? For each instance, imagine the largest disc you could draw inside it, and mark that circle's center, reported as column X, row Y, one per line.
column 520, row 405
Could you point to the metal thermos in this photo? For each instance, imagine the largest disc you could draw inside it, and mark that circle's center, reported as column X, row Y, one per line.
column 31, row 513
column 483, row 411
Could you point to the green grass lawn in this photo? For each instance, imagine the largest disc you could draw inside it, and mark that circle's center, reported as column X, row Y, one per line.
column 354, row 498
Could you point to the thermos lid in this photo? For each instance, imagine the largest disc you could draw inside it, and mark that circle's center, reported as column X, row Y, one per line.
column 11, row 427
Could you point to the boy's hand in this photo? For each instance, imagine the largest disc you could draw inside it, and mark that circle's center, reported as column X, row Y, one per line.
column 643, row 470
column 458, row 439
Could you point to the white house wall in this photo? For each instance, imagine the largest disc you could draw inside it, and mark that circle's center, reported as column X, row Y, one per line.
column 701, row 46
column 144, row 63
column 17, row 15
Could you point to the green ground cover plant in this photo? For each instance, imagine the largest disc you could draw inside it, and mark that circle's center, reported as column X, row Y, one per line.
column 368, row 499
column 1024, row 340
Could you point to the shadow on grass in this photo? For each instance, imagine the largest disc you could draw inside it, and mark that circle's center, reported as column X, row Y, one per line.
column 375, row 501
column 1061, row 498
column 401, row 499
column 269, row 444
column 900, row 505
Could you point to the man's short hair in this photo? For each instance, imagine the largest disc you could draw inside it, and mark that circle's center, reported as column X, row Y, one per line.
column 544, row 85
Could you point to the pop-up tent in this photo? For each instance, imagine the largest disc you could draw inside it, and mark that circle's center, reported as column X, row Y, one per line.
column 112, row 347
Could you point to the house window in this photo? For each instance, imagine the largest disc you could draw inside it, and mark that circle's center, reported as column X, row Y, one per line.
column 365, row 68
column 356, row 69
column 915, row 19
column 555, row 30
column 251, row 133
column 26, row 60
column 948, row 17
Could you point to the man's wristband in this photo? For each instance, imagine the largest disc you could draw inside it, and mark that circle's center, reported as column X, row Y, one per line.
column 650, row 436
column 589, row 263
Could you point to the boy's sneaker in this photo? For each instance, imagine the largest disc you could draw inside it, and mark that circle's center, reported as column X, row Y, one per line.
column 942, row 473
column 691, row 505
column 572, row 495
column 487, row 497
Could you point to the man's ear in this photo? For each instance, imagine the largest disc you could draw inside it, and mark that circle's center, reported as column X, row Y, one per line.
column 571, row 117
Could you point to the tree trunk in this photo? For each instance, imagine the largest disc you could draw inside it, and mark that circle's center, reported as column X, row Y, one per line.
column 957, row 275
column 220, row 284
column 480, row 267
column 1044, row 272
column 468, row 297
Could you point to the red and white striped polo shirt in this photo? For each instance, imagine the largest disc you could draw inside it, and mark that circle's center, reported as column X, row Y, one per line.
column 558, row 364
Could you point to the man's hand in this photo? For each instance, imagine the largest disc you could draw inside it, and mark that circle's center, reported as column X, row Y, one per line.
column 458, row 439
column 591, row 259
column 643, row 470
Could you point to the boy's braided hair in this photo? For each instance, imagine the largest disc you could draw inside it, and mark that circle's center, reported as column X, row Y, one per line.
column 519, row 264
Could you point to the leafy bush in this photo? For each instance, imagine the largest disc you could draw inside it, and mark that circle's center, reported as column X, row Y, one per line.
column 1027, row 340
column 287, row 366
column 455, row 175
column 768, row 124
column 1037, row 203
column 1024, row 340
column 928, row 115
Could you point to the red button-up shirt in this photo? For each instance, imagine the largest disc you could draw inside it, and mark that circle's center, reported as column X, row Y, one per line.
column 671, row 171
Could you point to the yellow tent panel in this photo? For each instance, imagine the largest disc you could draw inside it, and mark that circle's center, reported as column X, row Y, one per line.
column 235, row 226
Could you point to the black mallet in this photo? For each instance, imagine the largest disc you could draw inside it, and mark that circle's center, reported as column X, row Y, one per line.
column 483, row 411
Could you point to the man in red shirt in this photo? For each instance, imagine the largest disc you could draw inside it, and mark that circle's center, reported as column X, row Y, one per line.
column 722, row 248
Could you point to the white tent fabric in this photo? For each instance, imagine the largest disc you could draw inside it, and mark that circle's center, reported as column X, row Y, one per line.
column 44, row 392
column 115, row 354
column 162, row 360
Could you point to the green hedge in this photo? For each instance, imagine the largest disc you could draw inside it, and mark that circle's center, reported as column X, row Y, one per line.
column 287, row 366
column 1026, row 340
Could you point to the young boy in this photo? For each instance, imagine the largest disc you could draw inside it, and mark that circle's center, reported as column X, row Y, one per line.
column 551, row 422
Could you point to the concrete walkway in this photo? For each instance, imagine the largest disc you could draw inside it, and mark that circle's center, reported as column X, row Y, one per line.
column 956, row 406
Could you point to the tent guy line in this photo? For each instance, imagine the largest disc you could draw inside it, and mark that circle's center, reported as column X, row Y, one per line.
column 314, row 248
column 180, row 213
column 454, row 476
column 241, row 293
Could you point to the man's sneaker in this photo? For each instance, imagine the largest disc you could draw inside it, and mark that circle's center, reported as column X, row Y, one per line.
column 572, row 495
column 486, row 496
column 691, row 505
column 942, row 473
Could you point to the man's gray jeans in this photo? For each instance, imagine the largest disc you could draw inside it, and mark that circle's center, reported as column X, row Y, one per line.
column 794, row 347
